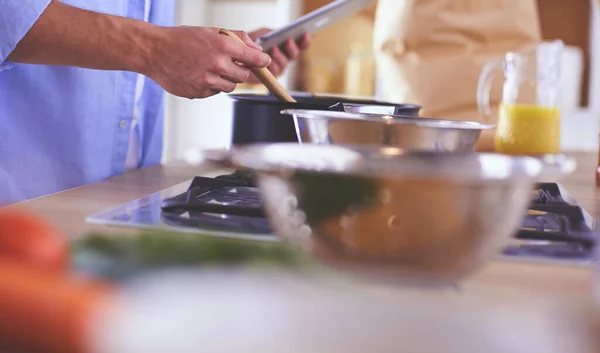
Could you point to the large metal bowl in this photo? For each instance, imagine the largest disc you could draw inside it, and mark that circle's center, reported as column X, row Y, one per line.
column 407, row 132
column 380, row 210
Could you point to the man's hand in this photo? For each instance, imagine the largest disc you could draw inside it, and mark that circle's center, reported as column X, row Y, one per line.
column 198, row 62
column 283, row 55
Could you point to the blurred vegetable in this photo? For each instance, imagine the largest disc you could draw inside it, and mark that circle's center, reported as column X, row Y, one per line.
column 46, row 312
column 27, row 238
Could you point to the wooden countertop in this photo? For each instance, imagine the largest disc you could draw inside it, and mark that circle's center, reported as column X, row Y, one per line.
column 527, row 307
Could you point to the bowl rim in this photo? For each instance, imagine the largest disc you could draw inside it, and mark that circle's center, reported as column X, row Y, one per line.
column 436, row 165
column 389, row 119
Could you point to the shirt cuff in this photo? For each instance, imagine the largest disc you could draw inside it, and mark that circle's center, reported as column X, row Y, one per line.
column 6, row 65
column 16, row 19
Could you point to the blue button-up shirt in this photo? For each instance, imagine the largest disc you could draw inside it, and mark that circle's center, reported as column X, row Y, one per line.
column 63, row 127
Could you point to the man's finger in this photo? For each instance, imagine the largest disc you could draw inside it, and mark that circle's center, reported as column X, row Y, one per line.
column 275, row 69
column 291, row 49
column 208, row 93
column 249, row 57
column 305, row 41
column 246, row 38
column 221, row 84
column 279, row 58
column 232, row 71
column 254, row 35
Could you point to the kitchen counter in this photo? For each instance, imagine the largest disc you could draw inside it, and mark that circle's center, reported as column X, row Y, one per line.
column 69, row 209
column 520, row 307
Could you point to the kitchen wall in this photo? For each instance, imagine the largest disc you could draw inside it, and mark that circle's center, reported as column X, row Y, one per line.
column 341, row 59
column 580, row 125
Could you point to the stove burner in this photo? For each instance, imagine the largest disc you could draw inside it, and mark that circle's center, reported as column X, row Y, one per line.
column 240, row 175
column 548, row 194
column 555, row 251
column 556, row 227
column 227, row 203
column 227, row 194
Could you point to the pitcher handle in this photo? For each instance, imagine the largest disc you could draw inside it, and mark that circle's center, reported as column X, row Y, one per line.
column 484, row 86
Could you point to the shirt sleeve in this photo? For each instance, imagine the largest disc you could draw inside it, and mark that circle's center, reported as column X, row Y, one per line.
column 16, row 19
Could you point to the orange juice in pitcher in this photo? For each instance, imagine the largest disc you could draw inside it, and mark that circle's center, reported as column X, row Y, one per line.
column 529, row 117
column 527, row 130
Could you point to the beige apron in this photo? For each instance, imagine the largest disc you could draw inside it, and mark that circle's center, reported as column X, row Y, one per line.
column 431, row 52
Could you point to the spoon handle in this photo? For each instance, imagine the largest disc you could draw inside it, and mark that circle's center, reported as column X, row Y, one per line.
column 264, row 75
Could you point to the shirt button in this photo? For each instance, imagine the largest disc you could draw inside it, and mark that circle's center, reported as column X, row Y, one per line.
column 123, row 124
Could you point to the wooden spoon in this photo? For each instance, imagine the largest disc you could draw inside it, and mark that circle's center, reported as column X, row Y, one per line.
column 264, row 75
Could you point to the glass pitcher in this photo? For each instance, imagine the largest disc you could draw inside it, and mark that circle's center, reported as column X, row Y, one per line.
column 529, row 116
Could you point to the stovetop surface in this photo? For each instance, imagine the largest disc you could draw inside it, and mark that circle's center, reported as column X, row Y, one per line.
column 147, row 213
column 556, row 229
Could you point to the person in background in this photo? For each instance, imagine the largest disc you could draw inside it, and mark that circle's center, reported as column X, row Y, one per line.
column 82, row 86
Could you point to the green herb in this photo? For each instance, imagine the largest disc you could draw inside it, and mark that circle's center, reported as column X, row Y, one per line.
column 121, row 256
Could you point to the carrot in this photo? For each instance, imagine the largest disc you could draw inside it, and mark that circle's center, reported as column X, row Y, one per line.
column 30, row 239
column 47, row 312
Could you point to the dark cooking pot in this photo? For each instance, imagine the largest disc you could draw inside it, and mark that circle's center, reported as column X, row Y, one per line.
column 257, row 118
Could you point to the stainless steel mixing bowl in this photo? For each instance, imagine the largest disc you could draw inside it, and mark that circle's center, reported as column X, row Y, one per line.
column 411, row 133
column 419, row 216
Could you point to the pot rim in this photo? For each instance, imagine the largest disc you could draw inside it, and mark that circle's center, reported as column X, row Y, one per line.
column 249, row 97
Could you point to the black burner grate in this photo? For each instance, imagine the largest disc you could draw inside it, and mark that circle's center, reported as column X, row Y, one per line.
column 228, row 203
column 555, row 228
column 548, row 194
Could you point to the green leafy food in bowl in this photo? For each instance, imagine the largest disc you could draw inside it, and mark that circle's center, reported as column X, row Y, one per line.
column 322, row 196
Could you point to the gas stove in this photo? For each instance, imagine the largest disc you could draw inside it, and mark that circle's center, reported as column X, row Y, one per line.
column 555, row 229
